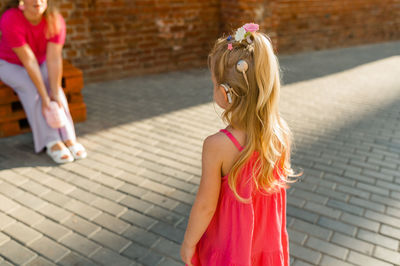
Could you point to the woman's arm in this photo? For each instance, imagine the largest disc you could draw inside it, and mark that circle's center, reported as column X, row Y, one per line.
column 207, row 197
column 28, row 59
column 54, row 68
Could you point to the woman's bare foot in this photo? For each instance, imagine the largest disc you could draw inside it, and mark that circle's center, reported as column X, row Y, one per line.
column 77, row 149
column 57, row 147
column 70, row 143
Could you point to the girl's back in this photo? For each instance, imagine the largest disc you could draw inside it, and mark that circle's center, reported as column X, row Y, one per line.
column 244, row 233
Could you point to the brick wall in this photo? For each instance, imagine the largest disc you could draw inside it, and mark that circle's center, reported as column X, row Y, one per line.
column 314, row 25
column 302, row 25
column 236, row 13
column 110, row 39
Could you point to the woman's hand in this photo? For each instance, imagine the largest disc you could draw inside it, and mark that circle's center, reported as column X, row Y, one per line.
column 187, row 252
column 45, row 103
column 56, row 97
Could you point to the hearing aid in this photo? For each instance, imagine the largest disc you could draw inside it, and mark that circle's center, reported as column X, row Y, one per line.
column 228, row 94
column 242, row 66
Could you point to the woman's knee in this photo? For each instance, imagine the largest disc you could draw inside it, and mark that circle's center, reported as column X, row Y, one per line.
column 16, row 77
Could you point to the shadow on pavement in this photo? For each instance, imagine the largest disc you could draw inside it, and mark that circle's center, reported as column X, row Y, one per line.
column 114, row 103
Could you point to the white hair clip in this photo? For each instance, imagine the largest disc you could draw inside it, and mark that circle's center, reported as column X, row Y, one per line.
column 242, row 66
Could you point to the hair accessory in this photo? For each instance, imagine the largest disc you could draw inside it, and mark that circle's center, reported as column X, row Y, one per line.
column 227, row 90
column 243, row 33
column 230, row 47
column 251, row 27
column 240, row 34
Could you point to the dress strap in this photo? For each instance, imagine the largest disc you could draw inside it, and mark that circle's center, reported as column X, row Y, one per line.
column 232, row 138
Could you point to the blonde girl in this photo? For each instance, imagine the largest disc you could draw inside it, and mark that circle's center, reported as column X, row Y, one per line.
column 239, row 215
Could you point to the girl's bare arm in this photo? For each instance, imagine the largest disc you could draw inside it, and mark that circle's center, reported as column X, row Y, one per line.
column 207, row 196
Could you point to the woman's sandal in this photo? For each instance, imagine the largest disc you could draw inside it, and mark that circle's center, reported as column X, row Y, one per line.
column 57, row 155
column 75, row 149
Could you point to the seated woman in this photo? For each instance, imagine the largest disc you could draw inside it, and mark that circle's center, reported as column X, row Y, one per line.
column 32, row 38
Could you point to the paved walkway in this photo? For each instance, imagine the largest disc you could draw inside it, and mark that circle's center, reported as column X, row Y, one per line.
column 128, row 203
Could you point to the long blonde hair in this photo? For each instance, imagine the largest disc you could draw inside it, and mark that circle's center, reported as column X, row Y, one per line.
column 51, row 15
column 254, row 109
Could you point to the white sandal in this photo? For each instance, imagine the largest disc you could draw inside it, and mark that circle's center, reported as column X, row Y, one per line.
column 57, row 155
column 77, row 147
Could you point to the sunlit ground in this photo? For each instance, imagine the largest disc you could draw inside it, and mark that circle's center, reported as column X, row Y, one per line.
column 129, row 201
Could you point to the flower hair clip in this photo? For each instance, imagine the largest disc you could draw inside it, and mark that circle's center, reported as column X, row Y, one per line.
column 242, row 33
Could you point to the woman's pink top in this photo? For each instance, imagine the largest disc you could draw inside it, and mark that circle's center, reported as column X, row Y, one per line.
column 16, row 31
column 245, row 234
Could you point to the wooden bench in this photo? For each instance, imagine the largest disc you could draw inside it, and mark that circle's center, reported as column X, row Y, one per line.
column 13, row 119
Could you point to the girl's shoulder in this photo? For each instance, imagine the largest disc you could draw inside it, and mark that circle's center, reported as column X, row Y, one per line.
column 220, row 147
column 218, row 144
column 219, row 140
column 215, row 143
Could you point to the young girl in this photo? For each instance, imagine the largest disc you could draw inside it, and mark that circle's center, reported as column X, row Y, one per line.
column 239, row 215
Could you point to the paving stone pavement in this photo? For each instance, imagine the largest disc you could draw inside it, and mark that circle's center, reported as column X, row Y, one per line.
column 128, row 202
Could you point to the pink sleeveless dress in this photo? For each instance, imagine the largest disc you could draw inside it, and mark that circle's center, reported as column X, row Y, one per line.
column 245, row 234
